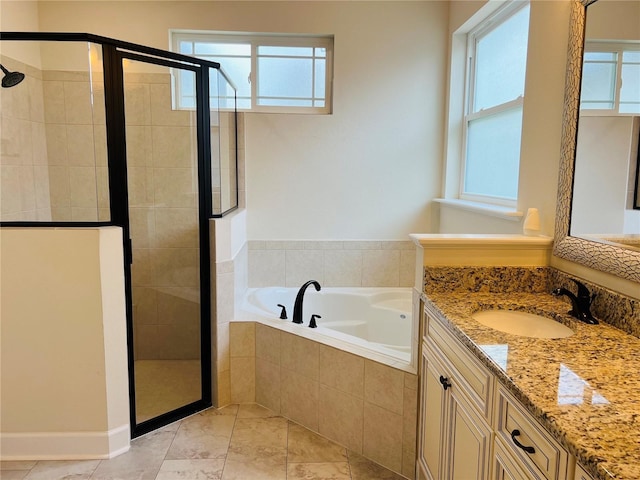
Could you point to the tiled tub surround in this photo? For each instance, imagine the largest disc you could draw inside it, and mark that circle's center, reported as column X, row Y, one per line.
column 348, row 263
column 583, row 389
column 364, row 405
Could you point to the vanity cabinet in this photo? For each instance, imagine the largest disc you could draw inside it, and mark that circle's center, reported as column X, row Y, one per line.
column 581, row 474
column 455, row 432
column 471, row 427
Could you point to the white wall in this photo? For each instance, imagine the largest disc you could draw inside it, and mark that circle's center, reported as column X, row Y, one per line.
column 64, row 359
column 542, row 118
column 366, row 172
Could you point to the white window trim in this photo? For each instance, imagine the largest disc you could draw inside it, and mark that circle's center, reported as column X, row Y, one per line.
column 255, row 40
column 507, row 11
column 618, row 46
column 457, row 107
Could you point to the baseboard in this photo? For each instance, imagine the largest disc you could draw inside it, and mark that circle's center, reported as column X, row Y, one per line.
column 65, row 445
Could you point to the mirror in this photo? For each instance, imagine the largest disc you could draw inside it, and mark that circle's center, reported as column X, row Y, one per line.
column 611, row 252
column 608, row 127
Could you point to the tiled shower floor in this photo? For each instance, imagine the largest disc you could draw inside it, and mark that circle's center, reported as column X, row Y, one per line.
column 238, row 442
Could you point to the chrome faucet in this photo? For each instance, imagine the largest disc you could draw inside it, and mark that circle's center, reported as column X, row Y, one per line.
column 297, row 306
column 580, row 303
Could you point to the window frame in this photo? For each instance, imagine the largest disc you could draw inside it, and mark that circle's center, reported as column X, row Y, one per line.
column 486, row 26
column 256, row 40
column 618, row 47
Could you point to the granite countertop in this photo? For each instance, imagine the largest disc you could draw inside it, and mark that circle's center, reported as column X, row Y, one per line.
column 584, row 389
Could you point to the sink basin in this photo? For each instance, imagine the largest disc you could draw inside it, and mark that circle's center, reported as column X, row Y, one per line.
column 522, row 323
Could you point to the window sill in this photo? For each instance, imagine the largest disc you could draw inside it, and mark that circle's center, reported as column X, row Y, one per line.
column 505, row 213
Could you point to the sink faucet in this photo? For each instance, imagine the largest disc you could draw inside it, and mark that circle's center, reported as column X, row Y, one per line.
column 297, row 306
column 580, row 303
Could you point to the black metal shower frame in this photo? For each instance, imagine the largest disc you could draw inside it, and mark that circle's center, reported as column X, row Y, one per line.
column 114, row 51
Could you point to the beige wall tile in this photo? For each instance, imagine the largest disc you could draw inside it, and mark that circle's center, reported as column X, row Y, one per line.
column 176, row 228
column 342, row 370
column 175, row 187
column 59, row 186
column 56, row 137
column 145, row 306
column 341, row 417
column 139, row 146
column 142, row 223
column 53, row 94
column 410, row 381
column 242, row 339
column 137, row 102
column 84, row 214
column 82, row 181
column 77, row 103
column 10, row 193
column 174, row 146
column 243, row 374
column 268, row 386
column 141, row 186
column 267, row 344
column 381, row 268
column 383, row 386
column 407, row 268
column 303, row 265
column 39, row 139
column 382, row 436
column 342, row 268
column 300, row 355
column 176, row 267
column 224, row 297
column 80, row 145
column 409, row 419
column 224, row 388
column 142, row 268
column 178, row 306
column 223, row 346
column 41, row 179
column 299, row 400
column 266, row 268
column 409, row 465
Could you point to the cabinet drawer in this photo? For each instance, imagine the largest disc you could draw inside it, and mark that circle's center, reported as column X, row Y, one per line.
column 475, row 379
column 546, row 458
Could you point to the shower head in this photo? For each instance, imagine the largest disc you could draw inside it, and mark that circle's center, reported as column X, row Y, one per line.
column 11, row 79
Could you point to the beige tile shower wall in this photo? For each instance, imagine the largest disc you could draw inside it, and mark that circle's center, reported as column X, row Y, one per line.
column 366, row 406
column 332, row 263
column 161, row 158
column 24, row 172
column 76, row 146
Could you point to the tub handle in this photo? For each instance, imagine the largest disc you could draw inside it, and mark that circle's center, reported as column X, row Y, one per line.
column 283, row 312
column 312, row 322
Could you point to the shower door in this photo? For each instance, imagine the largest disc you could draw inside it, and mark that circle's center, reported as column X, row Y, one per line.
column 168, row 277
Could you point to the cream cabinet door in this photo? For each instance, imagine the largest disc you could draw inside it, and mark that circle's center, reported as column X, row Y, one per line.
column 455, row 442
column 469, row 445
column 432, row 415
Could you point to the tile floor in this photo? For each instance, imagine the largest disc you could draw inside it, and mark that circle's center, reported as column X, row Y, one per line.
column 237, row 442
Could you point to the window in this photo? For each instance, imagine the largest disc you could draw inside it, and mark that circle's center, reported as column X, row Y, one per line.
column 605, row 63
column 492, row 125
column 272, row 73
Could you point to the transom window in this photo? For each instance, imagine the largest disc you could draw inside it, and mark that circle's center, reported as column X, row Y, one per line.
column 272, row 73
column 497, row 53
column 611, row 78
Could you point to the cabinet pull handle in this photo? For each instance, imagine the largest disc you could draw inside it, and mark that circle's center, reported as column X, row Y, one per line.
column 515, row 434
column 445, row 382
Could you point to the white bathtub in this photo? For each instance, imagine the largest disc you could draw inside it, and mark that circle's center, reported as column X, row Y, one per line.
column 372, row 322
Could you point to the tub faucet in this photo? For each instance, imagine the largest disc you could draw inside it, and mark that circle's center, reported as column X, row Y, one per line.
column 297, row 306
column 580, row 303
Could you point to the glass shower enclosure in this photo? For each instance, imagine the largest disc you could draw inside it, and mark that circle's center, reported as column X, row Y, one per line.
column 103, row 132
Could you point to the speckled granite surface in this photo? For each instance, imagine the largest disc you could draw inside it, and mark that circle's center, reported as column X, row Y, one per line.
column 585, row 389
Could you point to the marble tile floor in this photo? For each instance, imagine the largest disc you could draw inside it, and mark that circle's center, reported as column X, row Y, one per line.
column 237, row 442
